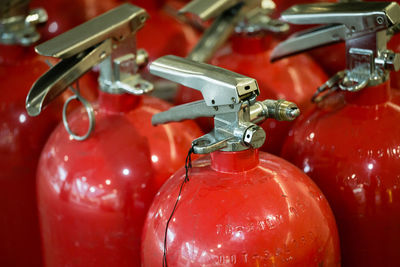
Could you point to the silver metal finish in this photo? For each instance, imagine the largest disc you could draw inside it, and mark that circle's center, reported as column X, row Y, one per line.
column 18, row 23
column 228, row 97
column 90, row 113
column 243, row 17
column 104, row 39
column 366, row 28
column 258, row 21
column 218, row 86
column 216, row 35
column 208, row 9
column 58, row 78
column 116, row 24
column 108, row 39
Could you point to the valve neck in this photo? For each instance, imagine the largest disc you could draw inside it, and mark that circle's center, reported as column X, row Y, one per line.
column 251, row 44
column 118, row 103
column 370, row 95
column 239, row 161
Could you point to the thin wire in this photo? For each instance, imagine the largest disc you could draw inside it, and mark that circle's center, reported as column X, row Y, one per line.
column 188, row 165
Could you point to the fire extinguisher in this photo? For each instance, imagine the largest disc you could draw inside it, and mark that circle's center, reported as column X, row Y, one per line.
column 21, row 137
column 237, row 206
column 349, row 143
column 94, row 188
column 248, row 52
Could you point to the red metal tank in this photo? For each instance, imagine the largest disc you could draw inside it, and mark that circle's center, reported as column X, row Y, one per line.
column 241, row 209
column 94, row 194
column 348, row 144
column 236, row 207
column 22, row 139
column 360, row 177
column 63, row 15
column 294, row 79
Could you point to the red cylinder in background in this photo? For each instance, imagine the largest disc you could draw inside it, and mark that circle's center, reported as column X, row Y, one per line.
column 349, row 145
column 294, row 79
column 22, row 139
column 94, row 194
column 239, row 209
column 63, row 15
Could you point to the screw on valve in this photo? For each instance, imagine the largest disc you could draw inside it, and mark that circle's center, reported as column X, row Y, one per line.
column 365, row 28
column 228, row 97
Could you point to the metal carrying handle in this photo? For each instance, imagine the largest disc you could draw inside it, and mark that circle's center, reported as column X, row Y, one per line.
column 84, row 47
column 216, row 34
column 358, row 16
column 366, row 28
column 217, row 85
column 343, row 22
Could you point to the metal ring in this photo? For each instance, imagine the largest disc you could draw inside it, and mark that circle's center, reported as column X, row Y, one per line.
column 354, row 88
column 90, row 112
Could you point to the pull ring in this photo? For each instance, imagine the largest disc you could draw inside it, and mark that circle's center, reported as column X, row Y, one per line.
column 89, row 111
column 328, row 87
column 345, row 84
column 85, row 103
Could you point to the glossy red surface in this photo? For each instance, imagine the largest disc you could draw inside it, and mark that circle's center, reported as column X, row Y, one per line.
column 394, row 45
column 239, row 209
column 331, row 58
column 21, row 140
column 94, row 195
column 294, row 79
column 350, row 146
column 63, row 15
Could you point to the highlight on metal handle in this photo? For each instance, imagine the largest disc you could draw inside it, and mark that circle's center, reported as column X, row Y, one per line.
column 90, row 113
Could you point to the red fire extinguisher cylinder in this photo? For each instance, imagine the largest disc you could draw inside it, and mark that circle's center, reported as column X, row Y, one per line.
column 264, row 210
column 348, row 142
column 101, row 168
